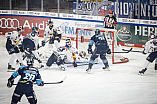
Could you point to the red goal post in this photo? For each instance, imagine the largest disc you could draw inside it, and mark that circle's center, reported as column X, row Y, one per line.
column 83, row 36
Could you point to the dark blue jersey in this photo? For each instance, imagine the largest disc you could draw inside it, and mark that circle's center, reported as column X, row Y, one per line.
column 28, row 74
column 28, row 45
column 9, row 46
column 100, row 43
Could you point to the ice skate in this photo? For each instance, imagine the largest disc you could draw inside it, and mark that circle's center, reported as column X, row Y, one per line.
column 142, row 71
column 88, row 71
column 61, row 67
column 10, row 68
column 106, row 67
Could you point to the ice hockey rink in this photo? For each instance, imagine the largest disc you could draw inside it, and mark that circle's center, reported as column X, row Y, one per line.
column 120, row 85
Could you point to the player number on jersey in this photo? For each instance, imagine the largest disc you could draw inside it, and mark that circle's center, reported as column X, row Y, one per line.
column 101, row 38
column 29, row 76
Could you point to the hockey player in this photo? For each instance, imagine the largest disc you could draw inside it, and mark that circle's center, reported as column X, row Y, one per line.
column 101, row 48
column 14, row 46
column 31, row 43
column 29, row 74
column 54, row 36
column 150, row 45
column 57, row 57
column 71, row 53
column 110, row 21
column 73, row 56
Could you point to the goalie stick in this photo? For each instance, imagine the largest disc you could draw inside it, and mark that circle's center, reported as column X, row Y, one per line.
column 45, row 43
column 53, row 82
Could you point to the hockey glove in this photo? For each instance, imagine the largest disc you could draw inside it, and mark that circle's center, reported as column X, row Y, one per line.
column 75, row 64
column 21, row 48
column 89, row 51
column 43, row 43
column 109, row 51
column 10, row 83
column 41, row 84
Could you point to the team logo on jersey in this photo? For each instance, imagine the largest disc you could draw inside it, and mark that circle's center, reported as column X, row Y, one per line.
column 124, row 34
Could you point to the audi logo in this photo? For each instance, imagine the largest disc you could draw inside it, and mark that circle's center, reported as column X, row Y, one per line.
column 9, row 23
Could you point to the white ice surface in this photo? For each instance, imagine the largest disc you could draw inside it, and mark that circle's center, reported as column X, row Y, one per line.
column 120, row 85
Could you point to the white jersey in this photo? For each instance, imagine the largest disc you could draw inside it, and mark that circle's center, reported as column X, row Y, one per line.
column 149, row 46
column 16, row 39
column 59, row 30
column 49, row 31
column 69, row 53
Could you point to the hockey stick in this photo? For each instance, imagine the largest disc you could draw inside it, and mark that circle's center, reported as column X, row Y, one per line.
column 80, row 64
column 132, row 51
column 45, row 43
column 127, row 51
column 53, row 82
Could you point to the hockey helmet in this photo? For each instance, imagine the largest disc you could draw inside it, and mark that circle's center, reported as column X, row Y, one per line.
column 97, row 31
column 49, row 22
column 82, row 54
column 110, row 12
column 151, row 36
column 35, row 30
column 30, row 59
column 68, row 43
column 20, row 28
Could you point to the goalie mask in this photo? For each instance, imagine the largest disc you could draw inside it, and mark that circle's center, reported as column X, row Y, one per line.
column 151, row 36
column 82, row 54
column 68, row 43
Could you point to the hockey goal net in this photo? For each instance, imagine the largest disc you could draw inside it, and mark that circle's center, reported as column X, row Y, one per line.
column 83, row 36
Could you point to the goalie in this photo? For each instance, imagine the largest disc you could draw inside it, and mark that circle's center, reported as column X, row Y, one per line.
column 72, row 54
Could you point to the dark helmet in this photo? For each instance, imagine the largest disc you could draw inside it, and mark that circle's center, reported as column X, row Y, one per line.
column 97, row 31
column 20, row 28
column 30, row 59
column 35, row 30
